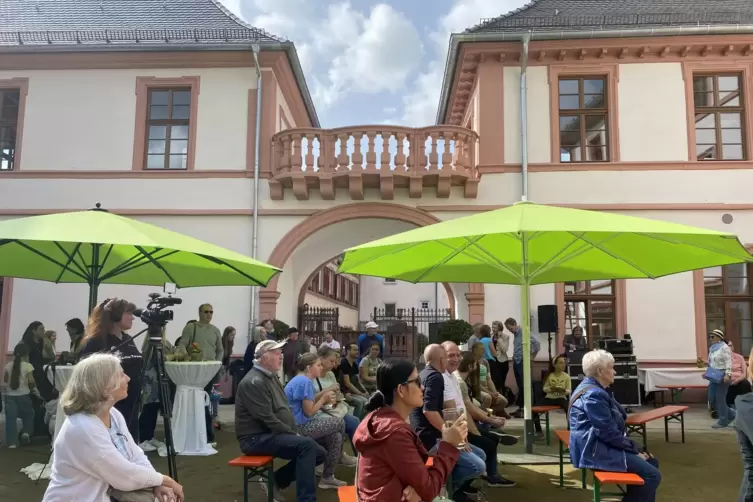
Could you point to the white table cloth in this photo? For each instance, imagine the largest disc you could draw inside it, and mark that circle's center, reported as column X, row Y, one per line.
column 189, row 426
column 60, row 380
column 651, row 378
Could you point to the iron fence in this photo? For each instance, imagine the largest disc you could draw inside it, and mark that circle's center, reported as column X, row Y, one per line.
column 406, row 331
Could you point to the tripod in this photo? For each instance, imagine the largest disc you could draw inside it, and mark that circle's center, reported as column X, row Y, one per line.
column 155, row 355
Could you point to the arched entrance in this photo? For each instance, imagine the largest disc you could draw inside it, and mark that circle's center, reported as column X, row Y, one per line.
column 285, row 248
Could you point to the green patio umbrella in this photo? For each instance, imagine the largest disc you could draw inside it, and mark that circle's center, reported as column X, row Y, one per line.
column 97, row 247
column 528, row 244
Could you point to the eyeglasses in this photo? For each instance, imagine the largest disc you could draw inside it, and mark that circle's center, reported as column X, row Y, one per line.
column 416, row 381
column 209, row 311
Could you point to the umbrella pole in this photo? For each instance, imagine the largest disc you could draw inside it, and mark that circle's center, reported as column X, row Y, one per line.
column 527, row 369
column 94, row 278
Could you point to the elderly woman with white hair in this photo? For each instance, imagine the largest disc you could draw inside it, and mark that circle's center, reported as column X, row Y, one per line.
column 95, row 457
column 598, row 438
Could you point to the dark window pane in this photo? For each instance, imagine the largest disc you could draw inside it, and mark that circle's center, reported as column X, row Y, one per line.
column 569, row 87
column 738, row 286
column 181, row 112
column 155, row 161
column 182, row 97
column 595, row 123
column 705, row 136
column 11, row 97
column 160, row 97
column 594, row 101
column 570, row 123
column 157, row 132
column 157, row 147
column 179, row 132
column 731, row 120
column 729, row 83
column 178, row 162
column 703, row 98
column 731, row 136
column 732, row 152
column 705, row 120
column 158, row 112
column 596, row 153
column 569, row 138
column 593, row 86
column 569, row 102
column 703, row 84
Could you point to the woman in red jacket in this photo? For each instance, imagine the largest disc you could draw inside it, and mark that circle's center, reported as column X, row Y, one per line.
column 392, row 463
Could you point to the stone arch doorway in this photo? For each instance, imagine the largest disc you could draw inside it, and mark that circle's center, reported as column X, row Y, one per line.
column 283, row 251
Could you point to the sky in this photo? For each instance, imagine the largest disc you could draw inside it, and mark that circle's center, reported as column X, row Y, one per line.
column 371, row 62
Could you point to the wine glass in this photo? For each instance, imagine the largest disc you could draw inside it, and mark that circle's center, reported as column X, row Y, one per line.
column 450, row 416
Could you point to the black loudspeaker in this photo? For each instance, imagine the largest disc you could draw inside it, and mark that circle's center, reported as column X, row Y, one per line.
column 548, row 319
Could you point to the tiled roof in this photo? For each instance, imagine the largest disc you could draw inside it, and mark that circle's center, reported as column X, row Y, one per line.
column 545, row 15
column 107, row 21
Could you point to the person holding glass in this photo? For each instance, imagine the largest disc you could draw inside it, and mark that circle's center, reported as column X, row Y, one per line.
column 392, row 463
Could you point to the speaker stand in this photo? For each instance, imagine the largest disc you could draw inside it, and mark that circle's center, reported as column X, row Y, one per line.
column 549, row 338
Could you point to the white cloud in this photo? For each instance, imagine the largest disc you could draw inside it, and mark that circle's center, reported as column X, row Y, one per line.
column 420, row 105
column 342, row 49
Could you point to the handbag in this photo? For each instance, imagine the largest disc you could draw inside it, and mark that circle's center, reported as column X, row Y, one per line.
column 143, row 495
column 714, row 375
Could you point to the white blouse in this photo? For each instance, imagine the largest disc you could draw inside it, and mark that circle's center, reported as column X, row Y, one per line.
column 86, row 463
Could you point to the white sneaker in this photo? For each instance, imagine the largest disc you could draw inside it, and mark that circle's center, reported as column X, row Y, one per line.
column 157, row 444
column 331, row 483
column 13, row 446
column 213, row 444
column 147, row 446
column 319, row 470
column 276, row 494
column 347, row 460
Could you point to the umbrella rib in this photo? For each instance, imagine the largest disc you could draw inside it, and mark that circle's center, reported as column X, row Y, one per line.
column 107, row 255
column 71, row 259
column 556, row 255
column 494, row 260
column 157, row 264
column 564, row 258
column 705, row 248
column 231, row 267
column 639, row 269
column 125, row 264
column 49, row 258
column 452, row 255
column 122, row 269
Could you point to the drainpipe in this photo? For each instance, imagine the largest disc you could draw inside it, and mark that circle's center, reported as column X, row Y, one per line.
column 255, row 217
column 524, row 116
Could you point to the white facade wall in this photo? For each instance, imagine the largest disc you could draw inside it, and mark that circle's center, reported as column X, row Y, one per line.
column 377, row 292
column 60, row 134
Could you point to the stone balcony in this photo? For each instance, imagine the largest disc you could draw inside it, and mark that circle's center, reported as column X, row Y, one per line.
column 374, row 157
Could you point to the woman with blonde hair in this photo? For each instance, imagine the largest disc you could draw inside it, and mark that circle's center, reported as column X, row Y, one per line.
column 106, row 332
column 95, row 457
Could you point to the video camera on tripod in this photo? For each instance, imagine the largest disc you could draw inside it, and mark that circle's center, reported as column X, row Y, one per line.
column 155, row 314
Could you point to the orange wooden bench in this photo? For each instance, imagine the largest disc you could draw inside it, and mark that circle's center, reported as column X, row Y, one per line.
column 348, row 493
column 637, row 421
column 262, row 466
column 675, row 391
column 618, row 479
column 544, row 410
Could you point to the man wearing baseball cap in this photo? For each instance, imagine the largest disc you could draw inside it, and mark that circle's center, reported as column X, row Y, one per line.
column 720, row 360
column 366, row 339
column 264, row 424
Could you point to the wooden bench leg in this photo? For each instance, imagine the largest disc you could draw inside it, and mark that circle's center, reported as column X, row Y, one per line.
column 682, row 425
column 546, row 421
column 666, row 429
column 583, row 474
column 645, row 438
column 562, row 465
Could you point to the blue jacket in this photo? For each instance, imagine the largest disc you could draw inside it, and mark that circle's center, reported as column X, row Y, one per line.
column 597, row 429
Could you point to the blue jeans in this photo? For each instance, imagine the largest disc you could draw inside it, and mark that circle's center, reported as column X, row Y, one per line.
column 351, row 424
column 470, row 465
column 18, row 407
column 649, row 471
column 303, row 453
column 718, row 398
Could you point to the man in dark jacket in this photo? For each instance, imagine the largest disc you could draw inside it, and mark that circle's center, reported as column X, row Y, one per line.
column 264, row 424
column 744, row 428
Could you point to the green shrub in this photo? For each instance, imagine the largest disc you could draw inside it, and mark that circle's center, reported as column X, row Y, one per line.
column 455, row 330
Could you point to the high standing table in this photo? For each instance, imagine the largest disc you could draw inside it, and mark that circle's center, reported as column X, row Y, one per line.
column 59, row 380
column 189, row 426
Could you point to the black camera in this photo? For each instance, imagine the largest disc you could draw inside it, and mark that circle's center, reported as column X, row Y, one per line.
column 155, row 313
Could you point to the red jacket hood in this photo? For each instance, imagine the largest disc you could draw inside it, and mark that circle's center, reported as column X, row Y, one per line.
column 377, row 427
